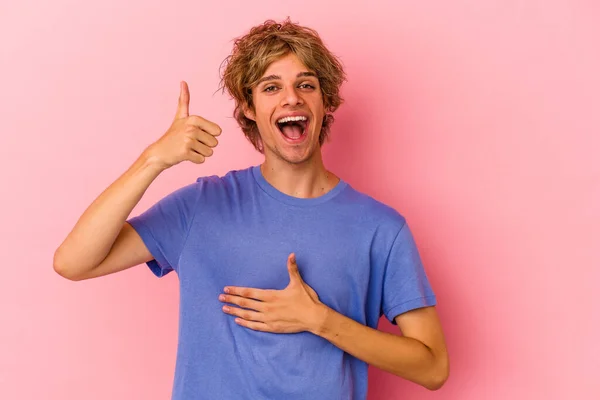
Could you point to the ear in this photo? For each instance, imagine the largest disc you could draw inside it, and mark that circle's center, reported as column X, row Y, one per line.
column 248, row 112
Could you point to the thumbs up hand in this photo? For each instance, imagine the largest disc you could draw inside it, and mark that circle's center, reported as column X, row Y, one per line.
column 189, row 137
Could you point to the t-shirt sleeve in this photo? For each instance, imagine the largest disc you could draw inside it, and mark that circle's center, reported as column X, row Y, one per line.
column 164, row 228
column 405, row 283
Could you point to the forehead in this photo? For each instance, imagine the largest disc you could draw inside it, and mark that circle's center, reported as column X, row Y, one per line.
column 287, row 66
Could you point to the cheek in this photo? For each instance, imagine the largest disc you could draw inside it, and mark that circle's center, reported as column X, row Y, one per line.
column 263, row 114
column 264, row 121
column 319, row 105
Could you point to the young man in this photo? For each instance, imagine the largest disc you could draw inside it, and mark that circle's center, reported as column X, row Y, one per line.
column 284, row 268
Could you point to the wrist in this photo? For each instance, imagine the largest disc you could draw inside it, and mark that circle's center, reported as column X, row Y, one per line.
column 151, row 161
column 321, row 317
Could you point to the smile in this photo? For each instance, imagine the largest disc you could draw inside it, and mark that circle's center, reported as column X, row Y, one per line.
column 293, row 128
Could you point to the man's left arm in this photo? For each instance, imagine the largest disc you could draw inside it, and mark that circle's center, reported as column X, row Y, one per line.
column 420, row 355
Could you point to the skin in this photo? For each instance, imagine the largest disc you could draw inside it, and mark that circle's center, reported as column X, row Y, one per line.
column 420, row 355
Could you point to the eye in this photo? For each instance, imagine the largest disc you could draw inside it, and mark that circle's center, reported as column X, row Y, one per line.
column 270, row 88
column 307, row 86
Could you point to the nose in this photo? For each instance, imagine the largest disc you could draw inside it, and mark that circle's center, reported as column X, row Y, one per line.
column 290, row 97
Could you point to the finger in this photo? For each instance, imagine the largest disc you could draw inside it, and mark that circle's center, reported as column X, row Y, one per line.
column 195, row 157
column 242, row 302
column 293, row 267
column 251, row 293
column 205, row 125
column 206, row 138
column 312, row 292
column 248, row 315
column 201, row 148
column 257, row 326
column 183, row 106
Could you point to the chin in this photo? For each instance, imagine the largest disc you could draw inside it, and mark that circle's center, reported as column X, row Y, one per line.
column 293, row 151
column 291, row 156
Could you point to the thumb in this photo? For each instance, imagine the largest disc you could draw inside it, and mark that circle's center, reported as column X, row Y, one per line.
column 183, row 106
column 293, row 268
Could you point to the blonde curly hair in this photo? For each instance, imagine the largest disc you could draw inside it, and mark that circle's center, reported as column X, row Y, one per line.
column 254, row 52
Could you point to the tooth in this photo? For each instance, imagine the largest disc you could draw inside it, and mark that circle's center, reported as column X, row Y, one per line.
column 288, row 119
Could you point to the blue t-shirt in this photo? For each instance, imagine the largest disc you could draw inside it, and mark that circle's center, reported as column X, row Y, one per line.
column 355, row 252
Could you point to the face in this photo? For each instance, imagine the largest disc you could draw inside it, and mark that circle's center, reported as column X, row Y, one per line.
column 288, row 110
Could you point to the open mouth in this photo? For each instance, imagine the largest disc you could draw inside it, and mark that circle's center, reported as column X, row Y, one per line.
column 293, row 128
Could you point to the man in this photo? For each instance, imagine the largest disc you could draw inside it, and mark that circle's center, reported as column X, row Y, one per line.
column 250, row 327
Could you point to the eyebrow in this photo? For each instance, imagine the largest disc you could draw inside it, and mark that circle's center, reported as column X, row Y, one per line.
column 277, row 77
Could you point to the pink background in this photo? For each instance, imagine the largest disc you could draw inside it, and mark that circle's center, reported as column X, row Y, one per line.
column 478, row 120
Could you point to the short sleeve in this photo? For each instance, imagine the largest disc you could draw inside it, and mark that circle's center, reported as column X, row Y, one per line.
column 164, row 228
column 405, row 284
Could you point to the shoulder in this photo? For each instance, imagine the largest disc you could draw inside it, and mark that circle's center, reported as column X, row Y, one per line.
column 224, row 190
column 372, row 211
column 231, row 178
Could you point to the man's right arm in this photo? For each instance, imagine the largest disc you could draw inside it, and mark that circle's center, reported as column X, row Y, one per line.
column 102, row 242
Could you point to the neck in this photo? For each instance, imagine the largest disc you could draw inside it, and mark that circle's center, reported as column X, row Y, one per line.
column 304, row 180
